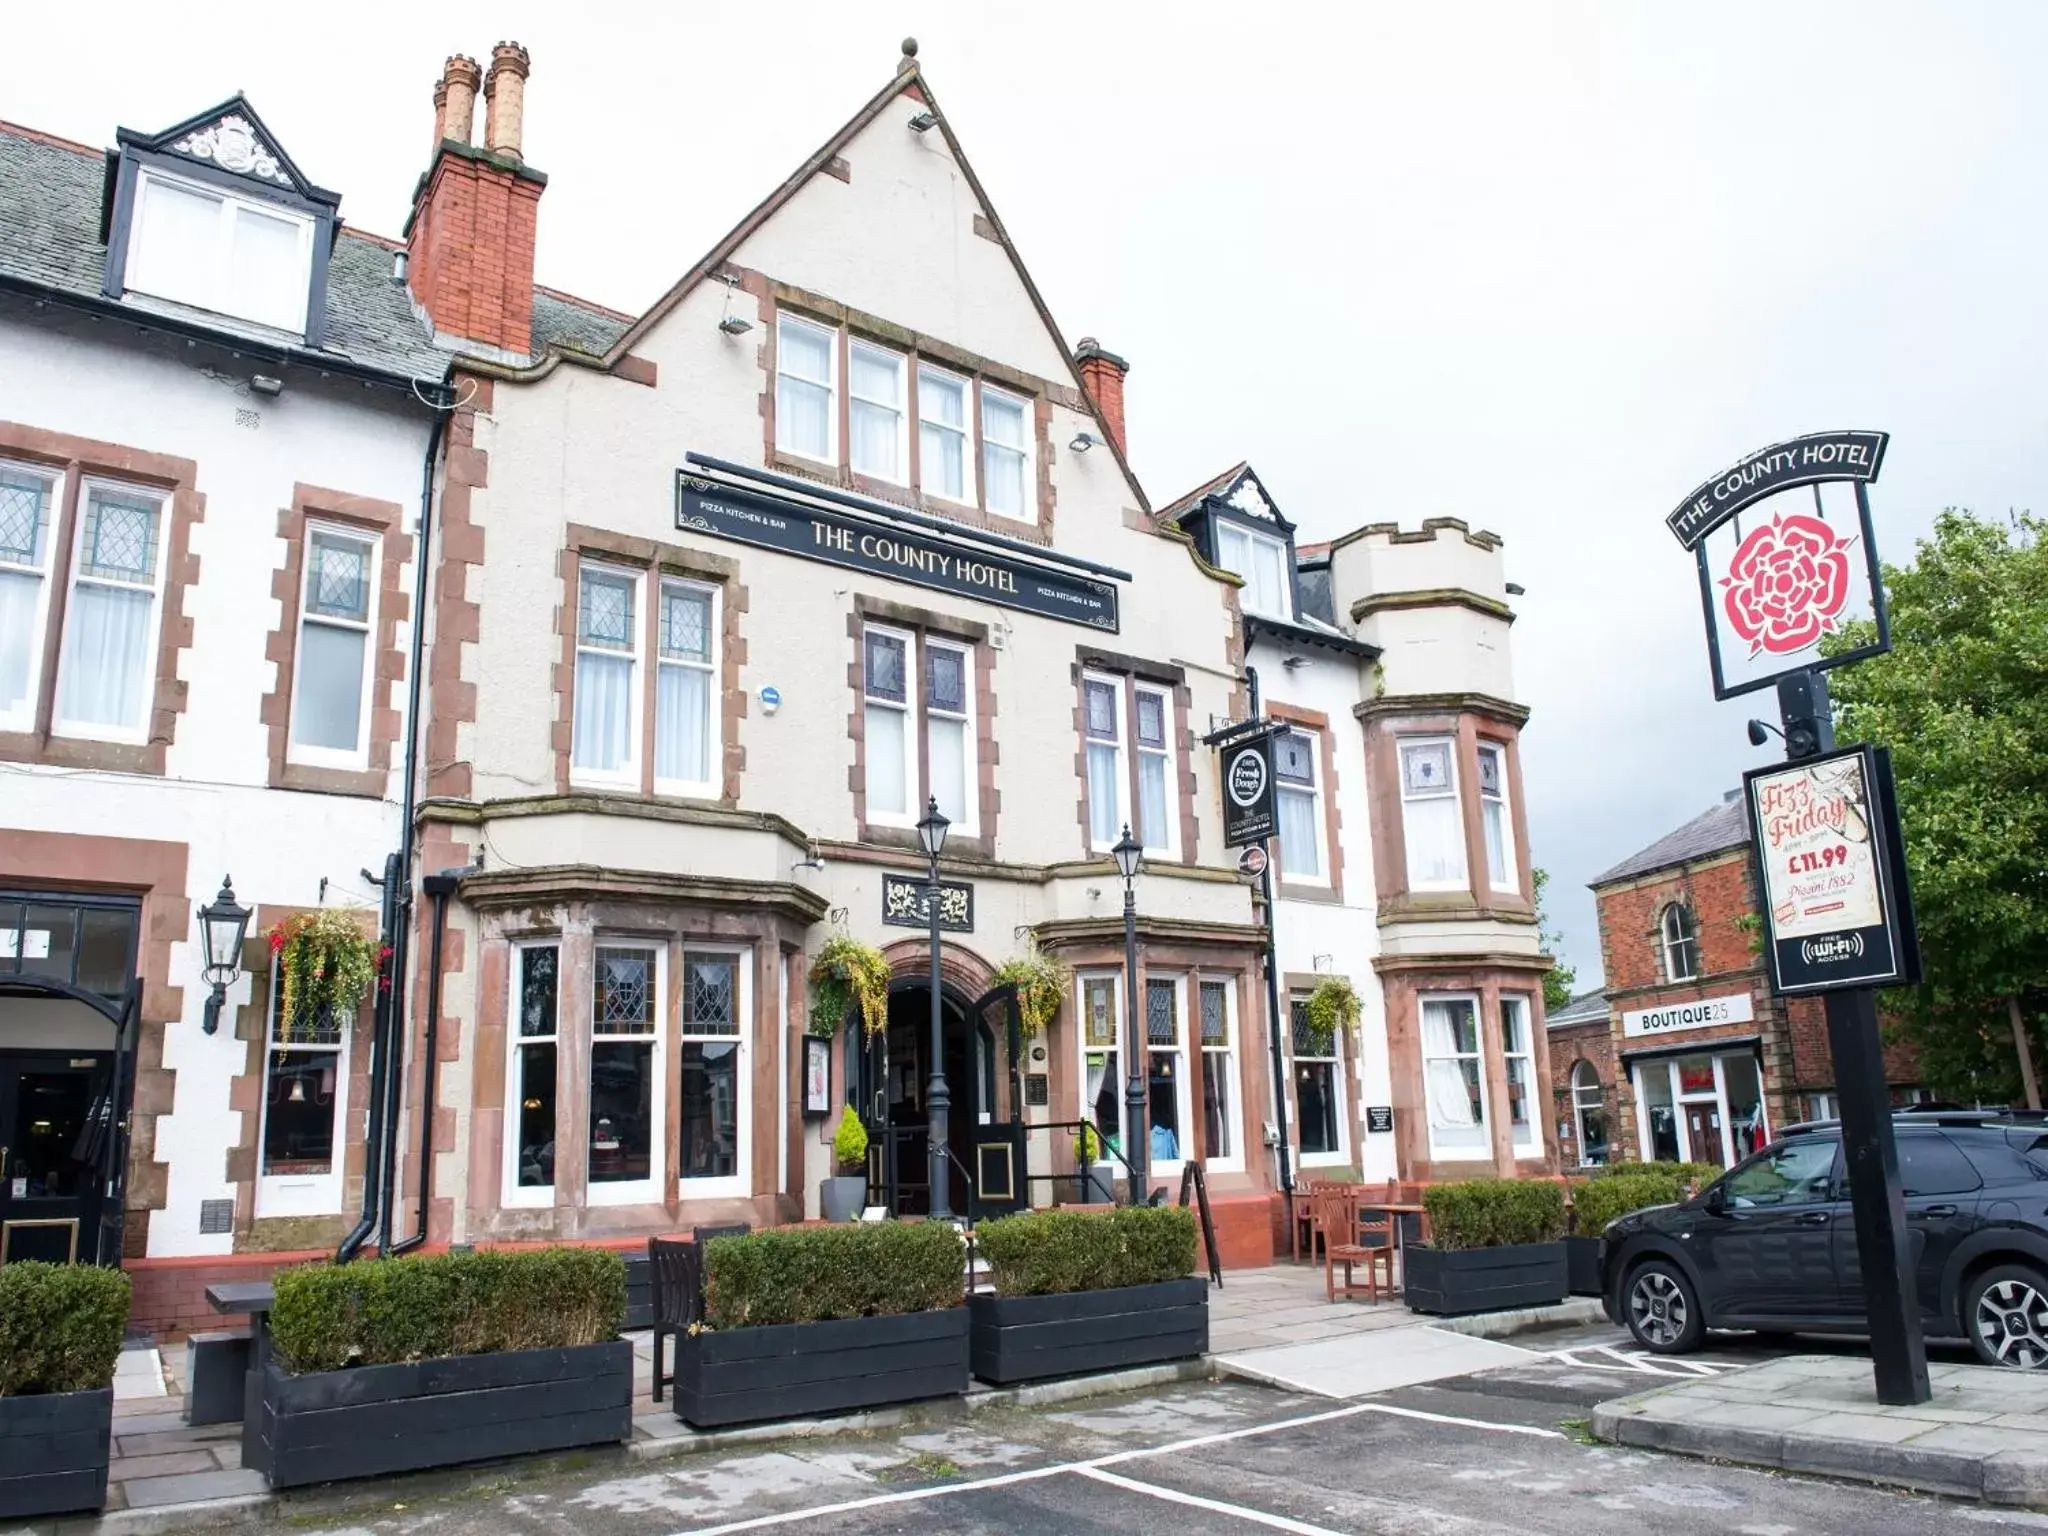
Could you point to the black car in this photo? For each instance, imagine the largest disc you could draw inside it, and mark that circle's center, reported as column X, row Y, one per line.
column 1771, row 1245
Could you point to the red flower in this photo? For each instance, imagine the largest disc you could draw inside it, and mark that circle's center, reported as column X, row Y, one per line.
column 276, row 941
column 1787, row 584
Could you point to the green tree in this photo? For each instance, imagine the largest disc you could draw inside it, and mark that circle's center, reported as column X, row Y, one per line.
column 1962, row 702
column 1558, row 980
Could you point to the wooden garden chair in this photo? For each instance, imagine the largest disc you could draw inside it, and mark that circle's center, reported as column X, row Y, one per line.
column 1350, row 1238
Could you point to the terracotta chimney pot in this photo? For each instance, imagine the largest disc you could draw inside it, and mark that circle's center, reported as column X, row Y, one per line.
column 505, row 99
column 455, row 99
column 1102, row 375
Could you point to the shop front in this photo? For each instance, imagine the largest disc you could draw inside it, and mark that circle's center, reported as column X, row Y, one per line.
column 1699, row 1104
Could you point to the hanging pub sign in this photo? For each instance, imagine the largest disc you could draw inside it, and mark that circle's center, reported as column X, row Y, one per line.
column 1837, row 909
column 1786, row 557
column 1248, row 789
column 760, row 517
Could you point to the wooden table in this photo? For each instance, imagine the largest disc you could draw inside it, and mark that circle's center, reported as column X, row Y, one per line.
column 1398, row 1209
column 255, row 1298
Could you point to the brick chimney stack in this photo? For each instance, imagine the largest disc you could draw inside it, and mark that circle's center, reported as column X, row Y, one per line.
column 505, row 99
column 469, row 241
column 1102, row 375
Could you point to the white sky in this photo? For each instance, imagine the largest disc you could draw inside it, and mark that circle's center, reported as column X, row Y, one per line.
column 1543, row 267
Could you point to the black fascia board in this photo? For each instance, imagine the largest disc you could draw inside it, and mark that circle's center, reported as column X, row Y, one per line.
column 1302, row 634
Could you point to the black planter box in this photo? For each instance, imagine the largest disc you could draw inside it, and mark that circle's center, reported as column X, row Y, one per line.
column 53, row 1452
column 1459, row 1281
column 1028, row 1338
column 1582, row 1265
column 797, row 1370
column 378, row 1419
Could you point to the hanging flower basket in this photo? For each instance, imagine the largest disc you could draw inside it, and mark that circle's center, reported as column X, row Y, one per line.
column 326, row 964
column 1333, row 1006
column 847, row 972
column 1041, row 983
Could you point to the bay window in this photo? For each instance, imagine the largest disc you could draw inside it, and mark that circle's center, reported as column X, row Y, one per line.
column 879, row 441
column 1432, row 825
column 107, row 669
column 1102, row 730
column 1166, row 1072
column 945, row 462
column 1100, row 1033
column 1222, row 1127
column 1318, row 1087
column 806, row 375
column 1006, row 452
column 686, row 689
column 605, row 739
column 625, row 1106
column 1520, row 1064
column 1454, row 1078
column 305, row 1097
column 530, row 1112
column 1299, row 804
column 26, row 498
column 717, row 1078
column 333, row 659
column 1493, row 816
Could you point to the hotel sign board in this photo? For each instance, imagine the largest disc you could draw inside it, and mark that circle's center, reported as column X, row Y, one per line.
column 760, row 518
column 1837, row 910
column 1248, row 789
column 1675, row 1018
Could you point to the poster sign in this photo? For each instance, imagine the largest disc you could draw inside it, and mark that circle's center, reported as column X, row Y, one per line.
column 1248, row 790
column 1379, row 1119
column 1675, row 1018
column 1836, row 909
column 817, row 1077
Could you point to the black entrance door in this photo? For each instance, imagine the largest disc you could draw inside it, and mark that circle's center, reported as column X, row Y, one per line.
column 52, row 1112
column 998, row 1161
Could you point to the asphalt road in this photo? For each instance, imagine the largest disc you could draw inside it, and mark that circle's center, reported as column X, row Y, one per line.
column 1502, row 1451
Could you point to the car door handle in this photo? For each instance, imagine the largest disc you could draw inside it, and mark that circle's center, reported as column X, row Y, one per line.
column 1814, row 1219
column 1934, row 1210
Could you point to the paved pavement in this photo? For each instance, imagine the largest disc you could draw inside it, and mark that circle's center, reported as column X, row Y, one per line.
column 1484, row 1454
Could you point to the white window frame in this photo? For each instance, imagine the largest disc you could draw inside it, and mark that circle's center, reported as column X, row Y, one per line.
column 1462, row 881
column 1028, row 511
column 627, row 775
column 1498, row 803
column 1314, row 792
column 968, row 824
column 221, row 299
column 1117, row 1034
column 1438, row 1152
column 514, row 1195
column 900, row 405
column 152, row 626
column 1226, row 1054
column 740, row 1182
column 1250, row 541
column 784, row 320
column 1169, row 849
column 970, row 474
column 910, row 708
column 1519, row 1004
column 1580, row 1087
column 303, row 1194
column 23, row 716
column 335, row 757
column 1339, row 1084
column 653, row 1188
column 1123, row 763
column 714, row 753
column 1169, row 1167
column 1669, row 948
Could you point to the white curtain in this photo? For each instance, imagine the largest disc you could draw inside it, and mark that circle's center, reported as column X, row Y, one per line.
column 329, row 707
column 178, row 243
column 887, row 788
column 1103, row 827
column 604, row 712
column 19, row 595
column 1271, row 590
column 1446, row 1030
column 877, row 416
column 1299, row 853
column 682, row 734
column 1153, row 829
column 1436, row 841
column 803, row 391
column 1493, row 814
column 105, row 655
column 267, row 274
column 949, row 766
column 942, row 409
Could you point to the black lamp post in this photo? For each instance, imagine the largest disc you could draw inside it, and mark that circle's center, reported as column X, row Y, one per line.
column 1129, row 854
column 931, row 834
column 222, row 926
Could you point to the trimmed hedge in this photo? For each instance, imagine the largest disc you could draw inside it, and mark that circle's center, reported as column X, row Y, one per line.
column 1598, row 1201
column 1049, row 1253
column 60, row 1327
column 1693, row 1175
column 391, row 1311
column 1494, row 1213
column 813, row 1274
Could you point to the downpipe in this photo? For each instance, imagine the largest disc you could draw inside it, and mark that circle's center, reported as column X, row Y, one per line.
column 438, row 888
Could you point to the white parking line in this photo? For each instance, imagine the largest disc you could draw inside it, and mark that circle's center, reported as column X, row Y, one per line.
column 1214, row 1506
column 1095, row 1464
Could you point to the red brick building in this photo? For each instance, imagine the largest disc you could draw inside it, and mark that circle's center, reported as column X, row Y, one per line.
column 1686, row 1054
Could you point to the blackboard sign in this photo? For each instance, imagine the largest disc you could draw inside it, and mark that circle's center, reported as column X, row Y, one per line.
column 1379, row 1118
column 1035, row 1089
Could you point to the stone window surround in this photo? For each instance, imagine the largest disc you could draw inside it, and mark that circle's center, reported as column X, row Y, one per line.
column 655, row 559
column 773, row 296
column 1299, row 984
column 1333, row 814
column 1159, row 674
column 386, row 519
column 72, row 459
column 987, row 750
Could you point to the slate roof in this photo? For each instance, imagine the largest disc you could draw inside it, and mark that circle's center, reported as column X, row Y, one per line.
column 1725, row 826
column 1586, row 1008
column 50, row 198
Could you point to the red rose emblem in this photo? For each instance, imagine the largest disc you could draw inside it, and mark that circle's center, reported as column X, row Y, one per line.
column 1787, row 584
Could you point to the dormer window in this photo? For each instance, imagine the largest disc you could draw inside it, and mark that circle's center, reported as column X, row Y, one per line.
column 215, row 251
column 1262, row 562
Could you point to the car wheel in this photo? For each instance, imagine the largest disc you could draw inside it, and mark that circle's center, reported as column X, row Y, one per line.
column 1662, row 1309
column 2007, row 1315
